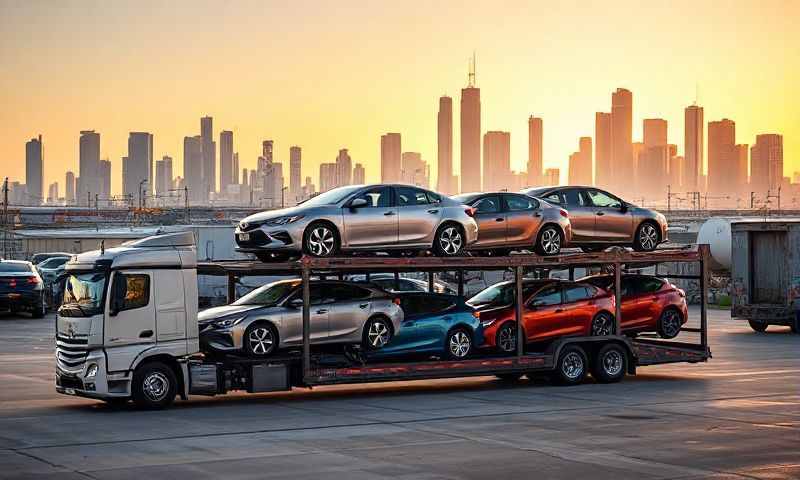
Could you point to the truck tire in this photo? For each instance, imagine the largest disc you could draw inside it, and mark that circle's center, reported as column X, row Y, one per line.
column 610, row 364
column 757, row 326
column 571, row 367
column 154, row 386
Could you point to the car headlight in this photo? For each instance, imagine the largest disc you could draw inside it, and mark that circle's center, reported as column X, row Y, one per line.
column 227, row 322
column 91, row 371
column 283, row 220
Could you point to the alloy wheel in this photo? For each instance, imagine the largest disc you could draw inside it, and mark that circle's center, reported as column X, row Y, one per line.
column 550, row 241
column 321, row 241
column 648, row 237
column 378, row 334
column 602, row 325
column 459, row 344
column 507, row 339
column 670, row 324
column 155, row 386
column 261, row 340
column 451, row 241
column 572, row 366
column 612, row 362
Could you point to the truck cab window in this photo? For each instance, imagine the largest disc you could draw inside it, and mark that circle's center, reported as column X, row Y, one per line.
column 131, row 291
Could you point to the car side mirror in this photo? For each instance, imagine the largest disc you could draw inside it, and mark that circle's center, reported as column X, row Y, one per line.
column 296, row 302
column 623, row 208
column 359, row 203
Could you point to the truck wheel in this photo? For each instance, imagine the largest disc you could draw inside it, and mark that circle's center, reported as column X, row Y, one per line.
column 610, row 364
column 154, row 386
column 759, row 327
column 571, row 366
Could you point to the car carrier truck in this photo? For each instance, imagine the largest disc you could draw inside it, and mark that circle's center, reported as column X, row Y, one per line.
column 128, row 329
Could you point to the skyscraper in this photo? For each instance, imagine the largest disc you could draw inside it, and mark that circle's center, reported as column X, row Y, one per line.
column 164, row 175
column 209, row 155
column 295, row 164
column 621, row 139
column 652, row 160
column 742, row 170
column 415, row 170
column 235, row 178
column 69, row 188
column 193, row 168
column 721, row 157
column 344, row 169
column 390, row 158
column 52, row 193
column 535, row 157
column 497, row 160
column 766, row 160
column 471, row 172
column 104, row 172
column 226, row 170
column 693, row 147
column 580, row 163
column 444, row 165
column 137, row 172
column 602, row 152
column 34, row 170
column 359, row 175
column 88, row 166
column 327, row 176
column 654, row 132
column 267, row 168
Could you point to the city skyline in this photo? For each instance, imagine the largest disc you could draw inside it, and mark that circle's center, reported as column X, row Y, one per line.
column 508, row 96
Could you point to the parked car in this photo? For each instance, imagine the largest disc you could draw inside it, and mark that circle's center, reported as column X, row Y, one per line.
column 361, row 218
column 38, row 258
column 600, row 219
column 21, row 288
column 388, row 282
column 51, row 268
column 551, row 308
column 513, row 221
column 649, row 304
column 271, row 317
column 434, row 325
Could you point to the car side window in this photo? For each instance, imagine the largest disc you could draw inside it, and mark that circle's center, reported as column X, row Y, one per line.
column 518, row 203
column 380, row 197
column 489, row 204
column 547, row 296
column 434, row 197
column 554, row 198
column 408, row 196
column 603, row 199
column 651, row 285
column 574, row 198
column 346, row 293
column 575, row 293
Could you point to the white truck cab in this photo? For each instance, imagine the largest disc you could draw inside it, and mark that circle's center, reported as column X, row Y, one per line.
column 128, row 322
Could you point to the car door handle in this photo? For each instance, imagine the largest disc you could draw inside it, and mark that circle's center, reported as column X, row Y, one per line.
column 499, row 219
column 433, row 210
column 389, row 213
column 363, row 305
column 145, row 334
column 322, row 310
column 600, row 214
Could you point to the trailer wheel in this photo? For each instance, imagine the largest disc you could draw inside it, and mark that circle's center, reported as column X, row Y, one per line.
column 610, row 364
column 759, row 327
column 154, row 386
column 571, row 366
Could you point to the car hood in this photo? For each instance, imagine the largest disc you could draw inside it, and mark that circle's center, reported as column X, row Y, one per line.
column 215, row 313
column 271, row 214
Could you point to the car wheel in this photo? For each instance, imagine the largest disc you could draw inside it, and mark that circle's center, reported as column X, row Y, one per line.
column 377, row 333
column 40, row 310
column 610, row 364
column 154, row 386
column 458, row 344
column 758, row 326
column 602, row 324
column 571, row 366
column 506, row 338
column 548, row 241
column 260, row 340
column 647, row 237
column 508, row 377
column 449, row 241
column 669, row 323
column 321, row 240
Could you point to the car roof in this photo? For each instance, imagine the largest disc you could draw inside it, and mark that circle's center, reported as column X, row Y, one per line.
column 17, row 262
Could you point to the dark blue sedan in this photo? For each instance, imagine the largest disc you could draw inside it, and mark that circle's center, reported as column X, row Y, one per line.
column 434, row 325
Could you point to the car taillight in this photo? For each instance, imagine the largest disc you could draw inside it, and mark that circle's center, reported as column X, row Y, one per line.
column 12, row 283
column 563, row 213
column 396, row 301
column 32, row 280
column 470, row 211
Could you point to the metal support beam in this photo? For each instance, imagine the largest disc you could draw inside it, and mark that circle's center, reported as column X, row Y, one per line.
column 231, row 288
column 617, row 298
column 704, row 297
column 306, row 277
column 518, row 274
column 460, row 276
column 571, row 274
column 430, row 282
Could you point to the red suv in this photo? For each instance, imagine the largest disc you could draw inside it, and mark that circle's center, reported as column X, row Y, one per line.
column 552, row 308
column 649, row 304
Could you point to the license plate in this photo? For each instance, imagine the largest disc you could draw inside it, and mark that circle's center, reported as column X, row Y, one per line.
column 244, row 237
column 69, row 391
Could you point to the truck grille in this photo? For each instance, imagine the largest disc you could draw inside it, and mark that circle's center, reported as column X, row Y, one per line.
column 71, row 352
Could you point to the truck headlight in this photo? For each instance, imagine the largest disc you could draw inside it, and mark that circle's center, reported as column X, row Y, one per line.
column 91, row 371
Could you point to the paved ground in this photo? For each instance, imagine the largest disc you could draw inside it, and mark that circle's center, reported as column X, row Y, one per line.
column 737, row 416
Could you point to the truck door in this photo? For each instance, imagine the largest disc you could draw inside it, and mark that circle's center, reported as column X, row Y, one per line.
column 169, row 306
column 131, row 318
column 768, row 275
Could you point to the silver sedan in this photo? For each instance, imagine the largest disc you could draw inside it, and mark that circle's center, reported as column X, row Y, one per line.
column 271, row 317
column 361, row 218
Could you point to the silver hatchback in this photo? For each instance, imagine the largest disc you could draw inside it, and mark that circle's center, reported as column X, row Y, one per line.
column 271, row 317
column 361, row 218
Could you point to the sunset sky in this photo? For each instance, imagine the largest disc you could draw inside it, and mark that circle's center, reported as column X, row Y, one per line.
column 330, row 75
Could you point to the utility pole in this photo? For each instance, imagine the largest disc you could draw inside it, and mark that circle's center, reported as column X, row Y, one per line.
column 96, row 203
column 186, row 202
column 5, row 218
column 669, row 198
column 89, row 199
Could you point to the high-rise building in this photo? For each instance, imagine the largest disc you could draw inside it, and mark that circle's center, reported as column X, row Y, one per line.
column 88, row 166
column 653, row 172
column 359, row 175
column 535, row 157
column 308, row 188
column 226, row 170
column 444, row 165
column 164, row 176
column 655, row 132
column 415, row 170
column 602, row 150
column 295, row 164
column 471, row 172
column 580, row 163
column 390, row 158
column 104, row 174
column 69, row 188
column 722, row 157
column 235, row 178
column 137, row 171
column 694, row 129
column 327, row 176
column 677, row 169
column 552, row 176
column 193, row 168
column 209, row 155
column 52, row 193
column 497, row 160
column 34, row 170
column 742, row 170
column 344, row 169
column 766, row 164
column 621, row 139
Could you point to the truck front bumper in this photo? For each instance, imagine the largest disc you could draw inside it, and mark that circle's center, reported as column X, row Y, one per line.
column 92, row 381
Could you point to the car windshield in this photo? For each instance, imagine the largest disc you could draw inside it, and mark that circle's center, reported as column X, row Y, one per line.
column 500, row 294
column 53, row 262
column 83, row 294
column 14, row 267
column 331, row 197
column 268, row 295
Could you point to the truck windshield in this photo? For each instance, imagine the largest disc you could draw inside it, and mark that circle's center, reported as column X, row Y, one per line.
column 268, row 295
column 83, row 294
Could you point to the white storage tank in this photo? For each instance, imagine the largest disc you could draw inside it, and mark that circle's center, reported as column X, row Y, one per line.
column 716, row 232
